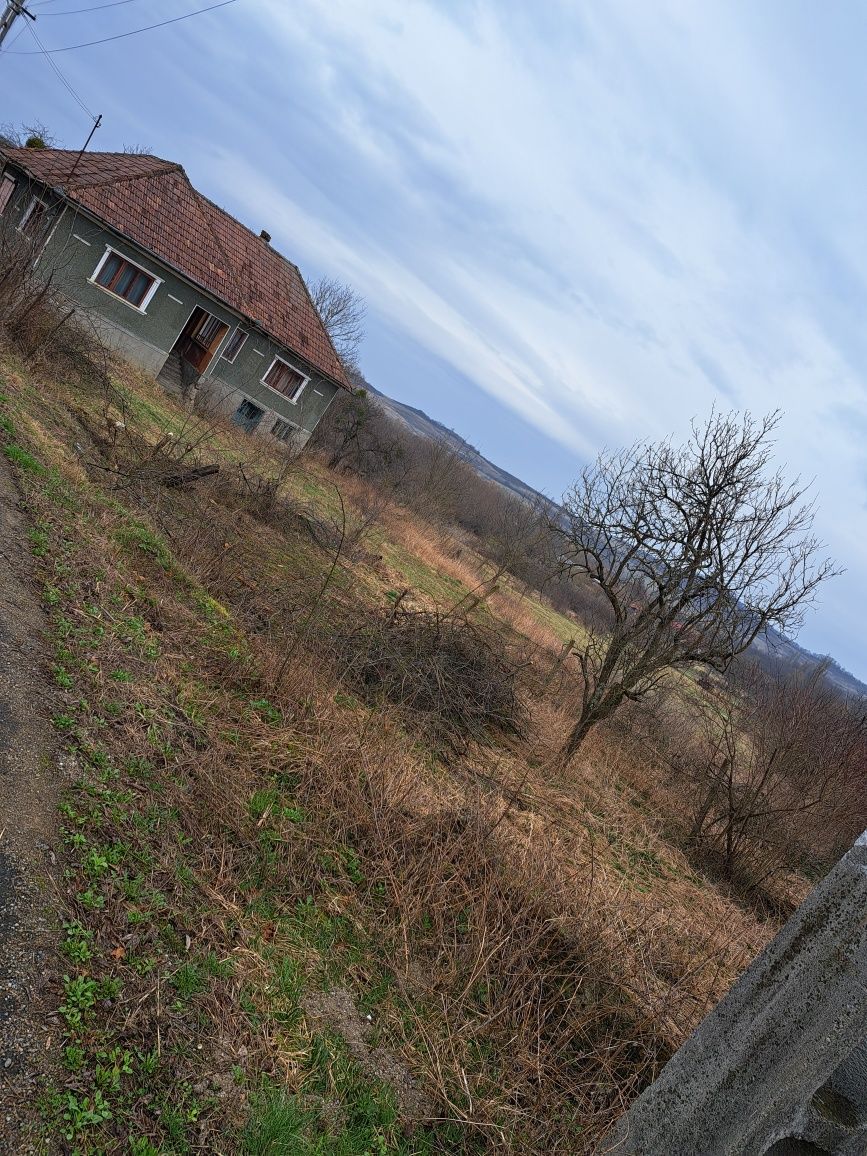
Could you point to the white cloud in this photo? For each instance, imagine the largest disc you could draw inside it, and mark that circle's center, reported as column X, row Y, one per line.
column 603, row 229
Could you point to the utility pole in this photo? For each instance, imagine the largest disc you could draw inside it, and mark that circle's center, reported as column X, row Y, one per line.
column 14, row 9
column 96, row 125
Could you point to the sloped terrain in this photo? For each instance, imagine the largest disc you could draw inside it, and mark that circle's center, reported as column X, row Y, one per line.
column 300, row 910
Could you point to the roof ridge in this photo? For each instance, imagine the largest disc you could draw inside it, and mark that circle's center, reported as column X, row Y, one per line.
column 118, row 179
column 75, row 152
column 158, row 166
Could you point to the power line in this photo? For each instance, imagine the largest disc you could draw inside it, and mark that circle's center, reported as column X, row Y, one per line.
column 123, row 35
column 95, row 8
column 56, row 69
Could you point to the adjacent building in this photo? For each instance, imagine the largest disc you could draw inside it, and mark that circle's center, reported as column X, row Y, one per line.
column 176, row 284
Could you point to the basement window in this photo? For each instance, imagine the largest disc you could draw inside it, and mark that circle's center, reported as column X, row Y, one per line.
column 234, row 345
column 285, row 379
column 247, row 415
column 7, row 188
column 122, row 277
column 282, row 429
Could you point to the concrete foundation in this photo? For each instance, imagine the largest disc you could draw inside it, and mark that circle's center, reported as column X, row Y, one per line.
column 780, row 1065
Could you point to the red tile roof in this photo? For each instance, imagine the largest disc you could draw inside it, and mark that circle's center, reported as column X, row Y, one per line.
column 152, row 202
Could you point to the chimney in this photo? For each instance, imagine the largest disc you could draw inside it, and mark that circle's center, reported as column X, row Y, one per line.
column 266, row 236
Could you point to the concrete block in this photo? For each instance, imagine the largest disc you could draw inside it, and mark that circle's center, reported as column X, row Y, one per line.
column 780, row 1065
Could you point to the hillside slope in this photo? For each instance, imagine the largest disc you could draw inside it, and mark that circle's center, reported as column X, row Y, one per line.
column 309, row 902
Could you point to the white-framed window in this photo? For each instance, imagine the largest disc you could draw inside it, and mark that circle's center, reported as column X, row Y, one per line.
column 234, row 345
column 7, row 188
column 35, row 218
column 282, row 429
column 124, row 278
column 285, row 379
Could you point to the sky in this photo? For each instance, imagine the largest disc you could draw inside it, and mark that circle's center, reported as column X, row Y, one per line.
column 576, row 225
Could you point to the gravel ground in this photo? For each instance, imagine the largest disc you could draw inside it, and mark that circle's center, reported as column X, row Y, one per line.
column 31, row 777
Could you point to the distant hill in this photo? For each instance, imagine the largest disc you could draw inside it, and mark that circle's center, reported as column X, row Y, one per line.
column 419, row 422
column 777, row 649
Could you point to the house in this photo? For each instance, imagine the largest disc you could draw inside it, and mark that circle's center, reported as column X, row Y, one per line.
column 176, row 284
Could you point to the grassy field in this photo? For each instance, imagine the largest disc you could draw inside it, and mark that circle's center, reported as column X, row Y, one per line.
column 293, row 921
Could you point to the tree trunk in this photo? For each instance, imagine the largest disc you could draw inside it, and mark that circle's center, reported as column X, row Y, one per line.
column 565, row 651
column 704, row 811
column 594, row 712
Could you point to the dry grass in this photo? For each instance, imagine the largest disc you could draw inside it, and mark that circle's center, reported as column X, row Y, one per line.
column 530, row 946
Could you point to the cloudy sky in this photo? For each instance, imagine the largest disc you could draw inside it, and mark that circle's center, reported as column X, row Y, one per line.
column 575, row 225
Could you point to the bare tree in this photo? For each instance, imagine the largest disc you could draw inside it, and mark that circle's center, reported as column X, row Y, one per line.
column 777, row 767
column 342, row 310
column 35, row 135
column 356, row 433
column 696, row 549
column 511, row 528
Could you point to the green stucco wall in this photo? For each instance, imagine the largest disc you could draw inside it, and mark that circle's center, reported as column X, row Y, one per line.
column 75, row 243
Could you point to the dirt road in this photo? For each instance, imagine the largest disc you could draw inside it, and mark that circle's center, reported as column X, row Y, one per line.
column 30, row 782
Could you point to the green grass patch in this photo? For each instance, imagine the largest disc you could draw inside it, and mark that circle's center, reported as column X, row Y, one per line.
column 23, row 460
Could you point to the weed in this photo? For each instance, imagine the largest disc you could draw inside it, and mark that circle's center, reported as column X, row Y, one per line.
column 352, row 866
column 91, row 900
column 111, row 1066
column 77, row 944
column 84, row 1112
column 189, row 980
column 148, row 1062
column 269, row 713
column 139, row 537
column 79, row 997
column 141, row 1146
column 99, row 860
column 74, row 1057
column 262, row 803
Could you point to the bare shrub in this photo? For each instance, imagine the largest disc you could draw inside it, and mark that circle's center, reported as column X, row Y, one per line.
column 355, row 434
column 342, row 310
column 38, row 320
column 31, row 135
column 452, row 675
column 363, row 515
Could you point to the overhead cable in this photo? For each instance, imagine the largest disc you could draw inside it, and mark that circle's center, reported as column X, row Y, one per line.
column 123, row 35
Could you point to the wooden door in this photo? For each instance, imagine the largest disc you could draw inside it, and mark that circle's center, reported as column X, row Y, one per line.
column 200, row 338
